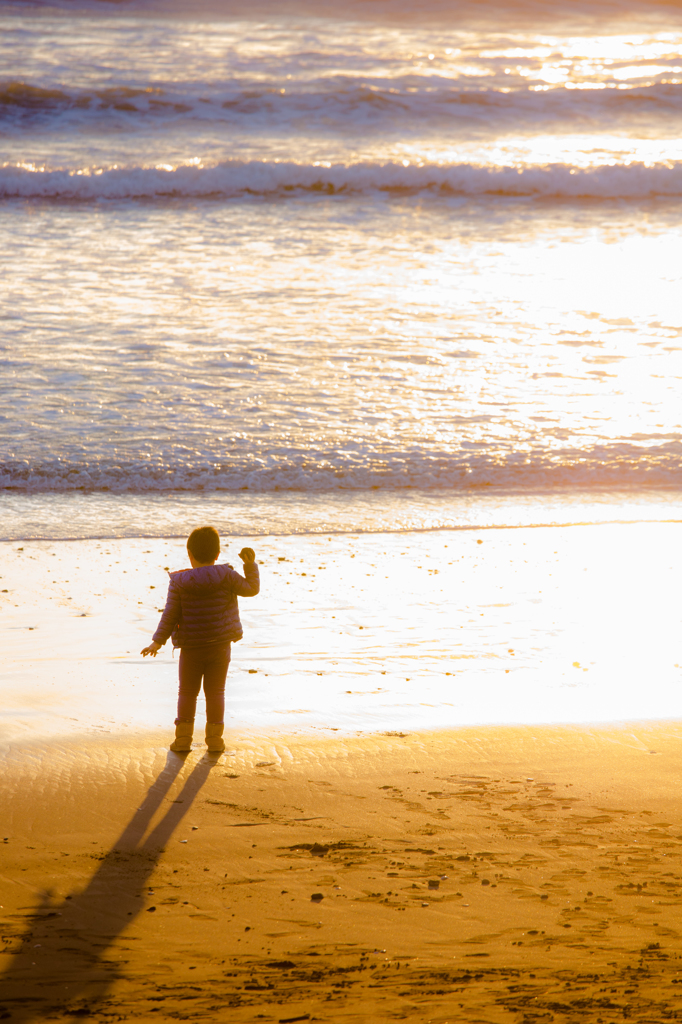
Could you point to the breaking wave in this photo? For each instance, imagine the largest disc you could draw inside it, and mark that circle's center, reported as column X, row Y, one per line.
column 234, row 178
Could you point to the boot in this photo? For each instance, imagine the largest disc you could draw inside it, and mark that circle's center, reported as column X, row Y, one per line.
column 183, row 737
column 214, row 738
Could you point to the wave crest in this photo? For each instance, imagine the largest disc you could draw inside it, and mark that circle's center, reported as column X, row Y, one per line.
column 341, row 99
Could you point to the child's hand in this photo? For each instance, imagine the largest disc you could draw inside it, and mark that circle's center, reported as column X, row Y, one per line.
column 152, row 649
column 247, row 555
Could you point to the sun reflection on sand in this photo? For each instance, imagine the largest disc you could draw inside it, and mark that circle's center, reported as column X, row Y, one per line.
column 392, row 631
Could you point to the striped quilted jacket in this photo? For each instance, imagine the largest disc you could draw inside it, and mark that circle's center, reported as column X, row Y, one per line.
column 201, row 607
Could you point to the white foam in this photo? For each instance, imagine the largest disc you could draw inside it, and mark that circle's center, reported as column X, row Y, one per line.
column 274, row 178
column 614, row 466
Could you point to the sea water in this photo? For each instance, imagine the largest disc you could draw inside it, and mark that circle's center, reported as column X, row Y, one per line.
column 332, row 269
column 347, row 252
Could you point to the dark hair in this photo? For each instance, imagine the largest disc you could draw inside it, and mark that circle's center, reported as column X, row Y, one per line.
column 204, row 544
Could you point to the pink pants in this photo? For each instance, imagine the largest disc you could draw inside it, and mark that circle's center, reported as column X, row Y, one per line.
column 209, row 663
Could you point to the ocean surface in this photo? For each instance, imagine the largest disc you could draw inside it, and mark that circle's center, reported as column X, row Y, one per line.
column 352, row 267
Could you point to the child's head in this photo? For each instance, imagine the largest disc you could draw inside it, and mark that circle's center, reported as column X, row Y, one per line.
column 203, row 545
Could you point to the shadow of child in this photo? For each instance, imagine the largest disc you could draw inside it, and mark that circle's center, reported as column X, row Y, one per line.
column 58, row 963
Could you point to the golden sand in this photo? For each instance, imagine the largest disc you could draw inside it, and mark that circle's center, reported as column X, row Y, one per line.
column 498, row 875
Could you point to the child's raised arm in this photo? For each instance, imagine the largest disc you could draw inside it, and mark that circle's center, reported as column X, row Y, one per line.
column 249, row 584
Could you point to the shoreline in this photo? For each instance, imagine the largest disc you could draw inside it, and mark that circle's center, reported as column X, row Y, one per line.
column 456, row 876
column 40, row 516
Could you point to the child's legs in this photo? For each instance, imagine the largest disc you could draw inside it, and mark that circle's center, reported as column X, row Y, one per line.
column 190, row 671
column 216, row 664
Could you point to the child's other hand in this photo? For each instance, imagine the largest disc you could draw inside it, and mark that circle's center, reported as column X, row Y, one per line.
column 152, row 649
column 247, row 555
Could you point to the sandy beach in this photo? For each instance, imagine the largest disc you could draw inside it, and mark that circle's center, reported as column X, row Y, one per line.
column 390, row 293
column 519, row 874
column 361, row 852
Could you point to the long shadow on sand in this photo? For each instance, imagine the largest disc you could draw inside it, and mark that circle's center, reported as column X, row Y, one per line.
column 59, row 965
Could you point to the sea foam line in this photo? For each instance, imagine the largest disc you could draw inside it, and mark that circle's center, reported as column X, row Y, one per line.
column 261, row 177
column 608, row 467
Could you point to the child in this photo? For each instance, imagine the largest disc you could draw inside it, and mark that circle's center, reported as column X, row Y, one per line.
column 202, row 618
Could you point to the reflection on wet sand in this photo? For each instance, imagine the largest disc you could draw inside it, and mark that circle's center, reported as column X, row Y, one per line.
column 72, row 937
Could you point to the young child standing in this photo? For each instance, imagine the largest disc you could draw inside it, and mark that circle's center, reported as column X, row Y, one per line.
column 202, row 618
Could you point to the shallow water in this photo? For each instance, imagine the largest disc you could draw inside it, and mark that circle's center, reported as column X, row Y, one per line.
column 71, row 515
column 340, row 344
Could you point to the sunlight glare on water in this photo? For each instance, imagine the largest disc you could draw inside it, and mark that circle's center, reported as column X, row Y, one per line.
column 455, row 348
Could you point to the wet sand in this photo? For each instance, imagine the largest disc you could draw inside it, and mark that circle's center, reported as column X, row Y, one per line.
column 356, row 633
column 499, row 875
